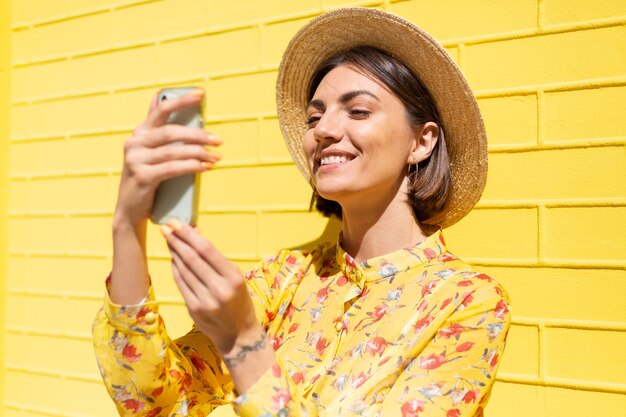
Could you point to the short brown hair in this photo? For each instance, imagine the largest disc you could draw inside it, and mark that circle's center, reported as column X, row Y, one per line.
column 429, row 185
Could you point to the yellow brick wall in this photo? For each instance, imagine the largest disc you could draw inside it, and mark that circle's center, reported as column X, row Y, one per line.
column 550, row 76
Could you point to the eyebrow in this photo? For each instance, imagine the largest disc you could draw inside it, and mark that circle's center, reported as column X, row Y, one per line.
column 319, row 104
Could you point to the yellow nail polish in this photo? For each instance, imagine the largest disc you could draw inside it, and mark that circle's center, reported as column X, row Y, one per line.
column 166, row 230
column 208, row 165
column 175, row 224
column 197, row 93
column 215, row 139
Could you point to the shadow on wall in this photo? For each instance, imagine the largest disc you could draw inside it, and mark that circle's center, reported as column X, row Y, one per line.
column 330, row 234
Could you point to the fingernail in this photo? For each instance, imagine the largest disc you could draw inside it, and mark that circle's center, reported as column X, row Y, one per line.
column 208, row 165
column 197, row 92
column 215, row 139
column 166, row 230
column 175, row 224
column 216, row 156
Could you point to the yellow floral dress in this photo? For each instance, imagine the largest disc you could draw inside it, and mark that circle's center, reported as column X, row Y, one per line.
column 413, row 333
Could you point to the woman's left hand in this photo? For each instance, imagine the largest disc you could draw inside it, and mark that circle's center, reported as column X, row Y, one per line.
column 213, row 288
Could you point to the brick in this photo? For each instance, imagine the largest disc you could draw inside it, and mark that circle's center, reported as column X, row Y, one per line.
column 232, row 234
column 230, row 13
column 42, row 80
column 594, row 233
column 18, row 195
column 564, row 294
column 88, row 398
column 76, row 194
column 159, row 20
column 63, row 38
column 226, row 95
column 227, row 51
column 451, row 19
column 36, row 10
column 291, row 230
column 547, row 59
column 272, row 142
column 521, row 356
column 123, row 67
column 130, row 108
column 28, row 158
column 105, row 152
column 241, row 140
column 579, row 11
column 495, row 233
column 176, row 318
column 454, row 53
column 21, row 120
column 510, row 120
column 74, row 115
column 162, row 279
column 97, row 239
column 72, row 396
column 276, row 36
column 51, row 314
column 36, row 234
column 584, row 114
column 77, row 6
column 554, row 174
column 589, row 355
column 516, row 400
column 71, row 275
column 23, row 385
column 70, row 355
column 565, row 402
column 254, row 187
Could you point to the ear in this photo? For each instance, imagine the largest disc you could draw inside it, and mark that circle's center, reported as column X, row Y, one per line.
column 426, row 137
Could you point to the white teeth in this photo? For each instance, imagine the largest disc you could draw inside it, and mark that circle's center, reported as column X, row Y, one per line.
column 333, row 160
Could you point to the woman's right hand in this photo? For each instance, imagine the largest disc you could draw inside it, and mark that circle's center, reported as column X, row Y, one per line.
column 150, row 158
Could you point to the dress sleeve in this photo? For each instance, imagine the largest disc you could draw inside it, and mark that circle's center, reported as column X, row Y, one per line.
column 451, row 377
column 148, row 374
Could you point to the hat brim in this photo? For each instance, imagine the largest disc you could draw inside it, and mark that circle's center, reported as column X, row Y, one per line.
column 342, row 29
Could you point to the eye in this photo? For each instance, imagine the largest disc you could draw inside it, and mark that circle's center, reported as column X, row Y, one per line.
column 312, row 120
column 359, row 113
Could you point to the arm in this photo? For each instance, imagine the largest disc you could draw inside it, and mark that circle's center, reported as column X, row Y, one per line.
column 149, row 159
column 142, row 368
column 217, row 298
column 145, row 372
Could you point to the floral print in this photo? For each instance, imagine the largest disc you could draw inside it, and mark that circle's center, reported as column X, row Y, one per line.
column 413, row 333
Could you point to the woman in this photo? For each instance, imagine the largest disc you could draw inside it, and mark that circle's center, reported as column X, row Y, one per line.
column 383, row 322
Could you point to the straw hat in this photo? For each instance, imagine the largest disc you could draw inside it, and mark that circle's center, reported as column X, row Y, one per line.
column 343, row 29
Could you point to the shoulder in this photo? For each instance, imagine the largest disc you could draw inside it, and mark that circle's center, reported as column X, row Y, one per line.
column 476, row 289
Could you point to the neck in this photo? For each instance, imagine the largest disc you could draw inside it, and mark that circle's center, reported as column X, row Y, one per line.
column 379, row 227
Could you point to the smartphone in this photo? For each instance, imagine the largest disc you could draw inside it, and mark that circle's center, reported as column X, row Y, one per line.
column 177, row 198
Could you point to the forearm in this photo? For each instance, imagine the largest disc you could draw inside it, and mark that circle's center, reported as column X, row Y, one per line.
column 249, row 359
column 130, row 282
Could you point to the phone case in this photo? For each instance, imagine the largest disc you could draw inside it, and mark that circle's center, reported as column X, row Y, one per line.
column 177, row 198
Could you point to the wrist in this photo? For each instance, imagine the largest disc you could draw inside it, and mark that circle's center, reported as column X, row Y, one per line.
column 122, row 225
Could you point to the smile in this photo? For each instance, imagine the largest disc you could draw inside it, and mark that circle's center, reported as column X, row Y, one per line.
column 333, row 159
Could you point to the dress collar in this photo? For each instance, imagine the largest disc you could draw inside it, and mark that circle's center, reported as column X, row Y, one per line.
column 385, row 266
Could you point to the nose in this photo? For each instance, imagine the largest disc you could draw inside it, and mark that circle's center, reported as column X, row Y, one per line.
column 328, row 127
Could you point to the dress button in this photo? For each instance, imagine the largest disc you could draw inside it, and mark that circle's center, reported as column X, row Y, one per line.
column 339, row 326
column 150, row 317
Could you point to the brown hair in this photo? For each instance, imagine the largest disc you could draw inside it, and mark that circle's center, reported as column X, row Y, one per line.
column 430, row 183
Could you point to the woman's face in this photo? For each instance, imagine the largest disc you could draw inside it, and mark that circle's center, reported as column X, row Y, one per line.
column 359, row 138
